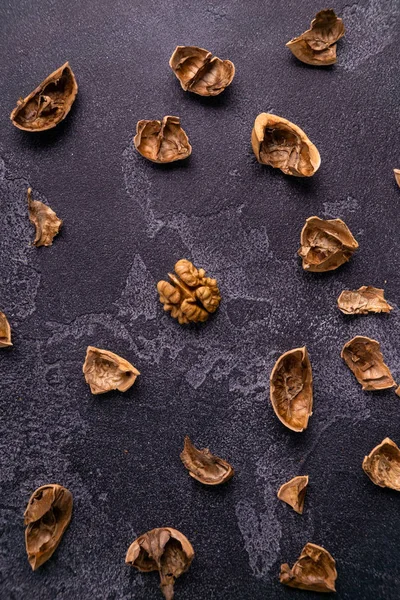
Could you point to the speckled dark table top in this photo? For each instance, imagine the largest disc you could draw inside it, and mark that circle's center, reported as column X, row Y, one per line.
column 126, row 222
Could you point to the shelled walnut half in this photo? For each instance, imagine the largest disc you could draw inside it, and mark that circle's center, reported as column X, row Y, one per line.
column 317, row 45
column 293, row 492
column 47, row 516
column 382, row 465
column 364, row 358
column 204, row 466
column 162, row 141
column 365, row 300
column 291, row 389
column 49, row 103
column 191, row 297
column 314, row 570
column 105, row 371
column 325, row 245
column 45, row 220
column 165, row 550
column 5, row 331
column 283, row 145
column 200, row 72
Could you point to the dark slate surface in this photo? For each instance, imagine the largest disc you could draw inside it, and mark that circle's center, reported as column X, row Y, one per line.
column 126, row 222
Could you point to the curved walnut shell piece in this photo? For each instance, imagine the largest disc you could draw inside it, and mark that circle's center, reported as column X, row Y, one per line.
column 204, row 466
column 49, row 103
column 293, row 492
column 200, row 72
column 317, row 46
column 315, row 570
column 105, row 371
column 382, row 465
column 5, row 331
column 364, row 358
column 162, row 141
column 283, row 145
column 47, row 516
column 397, row 176
column 45, row 220
column 165, row 550
column 365, row 300
column 291, row 389
column 325, row 244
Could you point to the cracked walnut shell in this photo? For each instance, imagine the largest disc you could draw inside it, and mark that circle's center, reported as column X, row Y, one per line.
column 45, row 220
column 397, row 176
column 325, row 245
column 283, row 145
column 200, row 72
column 382, row 465
column 291, row 389
column 47, row 516
column 293, row 492
column 5, row 331
column 49, row 103
column 162, row 141
column 314, row 570
column 165, row 550
column 204, row 466
column 191, row 297
column 105, row 371
column 317, row 45
column 364, row 358
column 365, row 300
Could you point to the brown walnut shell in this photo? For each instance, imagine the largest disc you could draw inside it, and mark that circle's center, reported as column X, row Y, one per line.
column 325, row 245
column 162, row 141
column 105, row 371
column 200, row 72
column 283, row 145
column 317, row 45
column 165, row 550
column 49, row 103
column 364, row 358
column 314, row 570
column 365, row 300
column 397, row 176
column 293, row 492
column 291, row 389
column 204, row 466
column 5, row 331
column 45, row 220
column 47, row 516
column 382, row 465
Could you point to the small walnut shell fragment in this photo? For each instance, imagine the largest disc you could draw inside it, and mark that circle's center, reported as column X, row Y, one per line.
column 165, row 550
column 293, row 492
column 325, row 245
column 192, row 296
column 291, row 389
column 105, row 371
column 382, row 465
column 200, row 72
column 45, row 220
column 5, row 331
column 283, row 145
column 317, row 45
column 49, row 103
column 365, row 300
column 204, row 466
column 397, row 176
column 47, row 516
column 162, row 141
column 314, row 570
column 364, row 358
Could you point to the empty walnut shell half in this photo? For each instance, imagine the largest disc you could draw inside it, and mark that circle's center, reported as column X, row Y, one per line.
column 397, row 176
column 200, row 72
column 5, row 331
column 293, row 492
column 317, row 46
column 364, row 358
column 105, row 371
column 47, row 516
column 365, row 300
column 191, row 297
column 45, row 220
column 382, row 465
column 325, row 245
column 291, row 389
column 49, row 103
column 165, row 550
column 204, row 466
column 162, row 141
column 314, row 570
column 283, row 145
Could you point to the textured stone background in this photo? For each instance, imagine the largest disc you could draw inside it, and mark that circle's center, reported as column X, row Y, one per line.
column 126, row 222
